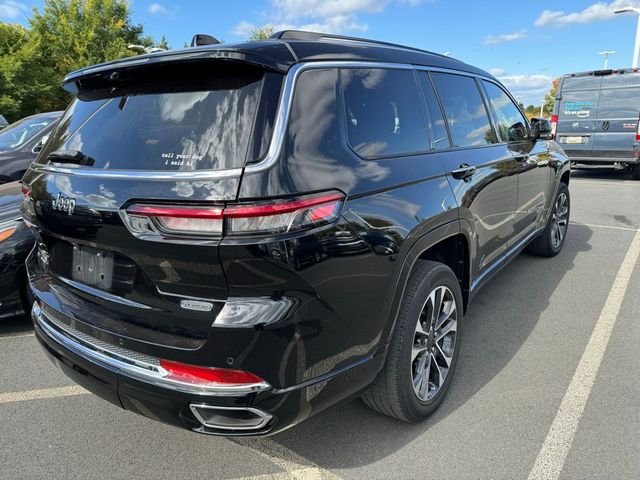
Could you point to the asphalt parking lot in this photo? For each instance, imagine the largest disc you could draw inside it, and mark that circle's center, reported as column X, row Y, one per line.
column 547, row 386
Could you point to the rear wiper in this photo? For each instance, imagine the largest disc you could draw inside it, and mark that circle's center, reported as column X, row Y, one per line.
column 70, row 156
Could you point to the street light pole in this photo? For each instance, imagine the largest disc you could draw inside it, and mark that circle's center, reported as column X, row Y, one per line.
column 606, row 54
column 636, row 47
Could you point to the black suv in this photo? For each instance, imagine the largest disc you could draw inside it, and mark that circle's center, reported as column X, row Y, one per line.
column 231, row 238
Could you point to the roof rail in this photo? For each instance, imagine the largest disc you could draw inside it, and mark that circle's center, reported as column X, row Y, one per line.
column 317, row 36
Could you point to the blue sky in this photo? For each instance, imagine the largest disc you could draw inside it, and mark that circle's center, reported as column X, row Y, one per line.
column 525, row 44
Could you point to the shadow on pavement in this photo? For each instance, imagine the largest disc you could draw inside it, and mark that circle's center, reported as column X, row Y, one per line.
column 15, row 326
column 601, row 174
column 498, row 322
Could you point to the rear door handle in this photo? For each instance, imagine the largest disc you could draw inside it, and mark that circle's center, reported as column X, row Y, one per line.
column 463, row 172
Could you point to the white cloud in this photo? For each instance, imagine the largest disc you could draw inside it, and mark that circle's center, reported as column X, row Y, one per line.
column 329, row 16
column 497, row 72
column 505, row 37
column 593, row 13
column 11, row 9
column 159, row 9
column 530, row 89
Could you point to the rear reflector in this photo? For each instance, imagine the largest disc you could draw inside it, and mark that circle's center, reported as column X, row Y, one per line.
column 554, row 126
column 194, row 374
column 236, row 219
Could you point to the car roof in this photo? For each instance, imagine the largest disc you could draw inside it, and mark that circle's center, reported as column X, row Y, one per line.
column 284, row 50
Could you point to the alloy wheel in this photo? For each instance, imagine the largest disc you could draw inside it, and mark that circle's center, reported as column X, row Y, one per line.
column 434, row 343
column 559, row 220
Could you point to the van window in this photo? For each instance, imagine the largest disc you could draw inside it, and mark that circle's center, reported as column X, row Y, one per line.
column 384, row 112
column 512, row 125
column 182, row 126
column 465, row 111
column 440, row 138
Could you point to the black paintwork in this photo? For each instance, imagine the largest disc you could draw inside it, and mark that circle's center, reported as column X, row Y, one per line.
column 13, row 251
column 14, row 163
column 346, row 278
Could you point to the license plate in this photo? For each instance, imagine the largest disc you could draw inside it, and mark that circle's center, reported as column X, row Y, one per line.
column 93, row 267
column 575, row 139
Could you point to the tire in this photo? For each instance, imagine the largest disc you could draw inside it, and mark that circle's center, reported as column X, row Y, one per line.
column 393, row 392
column 548, row 244
column 635, row 172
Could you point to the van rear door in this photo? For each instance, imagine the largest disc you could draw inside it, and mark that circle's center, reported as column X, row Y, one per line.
column 577, row 115
column 617, row 117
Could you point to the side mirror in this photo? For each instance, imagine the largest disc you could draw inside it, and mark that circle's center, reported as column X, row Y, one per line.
column 38, row 146
column 541, row 129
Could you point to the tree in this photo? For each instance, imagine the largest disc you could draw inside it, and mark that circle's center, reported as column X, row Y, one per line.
column 550, row 98
column 162, row 43
column 261, row 33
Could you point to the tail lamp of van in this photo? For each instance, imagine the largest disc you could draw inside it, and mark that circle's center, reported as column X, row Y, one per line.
column 279, row 216
column 638, row 130
column 554, row 126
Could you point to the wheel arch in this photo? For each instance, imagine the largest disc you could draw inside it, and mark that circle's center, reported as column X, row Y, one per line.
column 448, row 244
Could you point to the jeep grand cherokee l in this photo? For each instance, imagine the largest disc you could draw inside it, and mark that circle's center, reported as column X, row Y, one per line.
column 231, row 238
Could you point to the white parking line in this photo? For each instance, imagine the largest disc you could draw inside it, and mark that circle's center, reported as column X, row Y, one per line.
column 613, row 227
column 552, row 455
column 295, row 466
column 56, row 392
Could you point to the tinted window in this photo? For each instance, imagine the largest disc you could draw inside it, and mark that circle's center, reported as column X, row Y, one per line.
column 19, row 133
column 512, row 126
column 621, row 80
column 384, row 112
column 183, row 130
column 465, row 112
column 440, row 138
column 619, row 103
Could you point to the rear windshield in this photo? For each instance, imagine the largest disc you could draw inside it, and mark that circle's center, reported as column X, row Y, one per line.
column 590, row 82
column 169, row 125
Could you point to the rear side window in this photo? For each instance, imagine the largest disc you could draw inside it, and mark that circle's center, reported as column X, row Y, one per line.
column 440, row 138
column 512, row 125
column 171, row 125
column 464, row 109
column 384, row 112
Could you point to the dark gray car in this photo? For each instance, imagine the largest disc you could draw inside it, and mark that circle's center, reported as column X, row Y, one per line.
column 20, row 143
column 597, row 116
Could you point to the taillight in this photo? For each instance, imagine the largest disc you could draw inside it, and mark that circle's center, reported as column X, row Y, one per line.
column 237, row 219
column 638, row 130
column 195, row 374
column 26, row 191
column 7, row 232
column 554, row 126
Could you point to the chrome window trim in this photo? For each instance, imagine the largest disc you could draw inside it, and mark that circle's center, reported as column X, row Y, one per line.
column 279, row 129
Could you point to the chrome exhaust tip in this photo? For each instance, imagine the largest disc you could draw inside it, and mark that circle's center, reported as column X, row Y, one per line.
column 230, row 418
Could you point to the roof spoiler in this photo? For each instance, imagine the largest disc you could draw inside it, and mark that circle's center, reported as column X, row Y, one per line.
column 200, row 39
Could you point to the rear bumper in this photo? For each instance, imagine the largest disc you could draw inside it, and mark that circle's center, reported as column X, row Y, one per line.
column 117, row 375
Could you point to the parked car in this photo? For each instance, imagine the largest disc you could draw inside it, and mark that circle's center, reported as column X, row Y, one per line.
column 171, row 203
column 597, row 118
column 16, row 241
column 21, row 142
column 3, row 122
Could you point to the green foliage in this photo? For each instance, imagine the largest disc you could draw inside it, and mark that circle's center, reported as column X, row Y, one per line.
column 65, row 35
column 550, row 98
column 261, row 33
